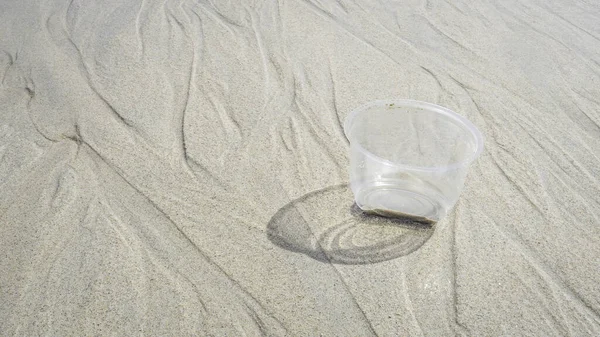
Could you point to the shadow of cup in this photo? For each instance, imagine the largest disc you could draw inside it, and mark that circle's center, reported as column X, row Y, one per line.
column 328, row 227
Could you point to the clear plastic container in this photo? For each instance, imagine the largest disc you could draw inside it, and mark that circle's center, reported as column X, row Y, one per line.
column 409, row 158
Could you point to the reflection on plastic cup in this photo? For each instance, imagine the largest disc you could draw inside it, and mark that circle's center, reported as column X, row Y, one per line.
column 409, row 158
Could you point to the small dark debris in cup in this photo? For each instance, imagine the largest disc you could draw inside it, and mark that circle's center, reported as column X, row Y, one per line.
column 400, row 215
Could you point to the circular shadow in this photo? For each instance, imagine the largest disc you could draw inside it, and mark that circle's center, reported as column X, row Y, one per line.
column 326, row 226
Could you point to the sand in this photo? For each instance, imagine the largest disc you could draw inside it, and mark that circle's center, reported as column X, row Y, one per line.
column 179, row 168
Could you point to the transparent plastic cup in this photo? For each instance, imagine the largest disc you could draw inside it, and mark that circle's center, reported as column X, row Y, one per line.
column 409, row 158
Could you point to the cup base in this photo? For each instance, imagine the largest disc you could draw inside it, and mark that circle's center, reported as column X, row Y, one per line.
column 395, row 200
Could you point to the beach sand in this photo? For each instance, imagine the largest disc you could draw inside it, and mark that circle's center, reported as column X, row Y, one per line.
column 179, row 168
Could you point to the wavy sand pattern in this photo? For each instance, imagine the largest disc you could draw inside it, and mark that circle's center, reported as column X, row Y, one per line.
column 178, row 167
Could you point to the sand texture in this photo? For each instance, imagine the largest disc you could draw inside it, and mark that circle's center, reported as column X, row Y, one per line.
column 179, row 168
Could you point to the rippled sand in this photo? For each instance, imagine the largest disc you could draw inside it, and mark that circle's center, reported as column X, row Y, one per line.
column 179, row 167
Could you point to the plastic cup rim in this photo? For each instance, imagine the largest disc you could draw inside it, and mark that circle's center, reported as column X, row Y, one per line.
column 417, row 104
